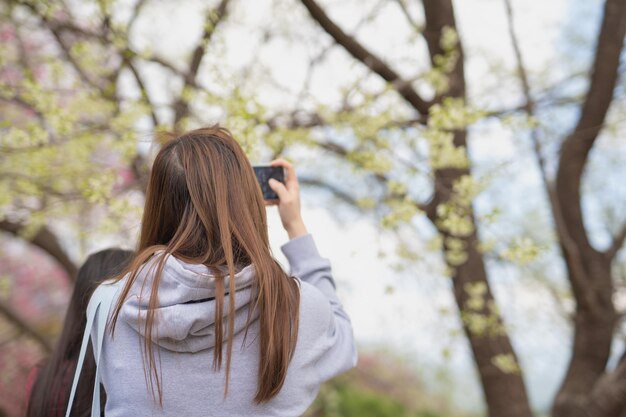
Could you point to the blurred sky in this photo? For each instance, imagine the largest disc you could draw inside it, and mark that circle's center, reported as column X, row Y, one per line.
column 410, row 312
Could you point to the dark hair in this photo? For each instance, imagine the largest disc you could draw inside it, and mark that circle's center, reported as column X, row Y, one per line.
column 204, row 206
column 51, row 389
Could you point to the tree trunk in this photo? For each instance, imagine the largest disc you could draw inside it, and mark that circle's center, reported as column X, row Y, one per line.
column 505, row 393
column 589, row 270
column 594, row 326
column 608, row 398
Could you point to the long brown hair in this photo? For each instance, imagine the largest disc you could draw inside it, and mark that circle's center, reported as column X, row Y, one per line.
column 51, row 389
column 204, row 206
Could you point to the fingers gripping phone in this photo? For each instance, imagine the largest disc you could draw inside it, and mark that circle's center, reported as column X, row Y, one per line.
column 263, row 174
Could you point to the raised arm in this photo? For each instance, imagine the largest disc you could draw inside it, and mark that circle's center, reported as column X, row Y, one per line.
column 334, row 347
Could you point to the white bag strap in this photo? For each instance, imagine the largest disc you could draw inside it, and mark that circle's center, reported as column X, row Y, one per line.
column 98, row 313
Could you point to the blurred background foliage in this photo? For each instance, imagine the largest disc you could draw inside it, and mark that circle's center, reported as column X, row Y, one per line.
column 380, row 386
column 483, row 138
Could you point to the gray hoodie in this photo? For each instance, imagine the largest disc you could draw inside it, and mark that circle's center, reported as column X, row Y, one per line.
column 184, row 341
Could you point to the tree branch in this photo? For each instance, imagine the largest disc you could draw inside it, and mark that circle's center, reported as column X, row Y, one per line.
column 575, row 148
column 540, row 102
column 46, row 240
column 165, row 64
column 55, row 28
column 67, row 26
column 407, row 15
column 136, row 10
column 577, row 274
column 367, row 57
column 337, row 192
column 383, row 179
column 618, row 241
column 19, row 101
column 529, row 107
column 24, row 326
column 212, row 20
column 144, row 91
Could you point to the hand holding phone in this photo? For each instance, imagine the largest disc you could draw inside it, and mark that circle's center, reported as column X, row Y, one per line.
column 288, row 198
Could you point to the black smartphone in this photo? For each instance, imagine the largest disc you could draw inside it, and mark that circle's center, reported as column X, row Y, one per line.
column 263, row 174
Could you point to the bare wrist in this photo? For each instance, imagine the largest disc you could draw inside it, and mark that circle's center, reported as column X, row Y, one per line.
column 296, row 229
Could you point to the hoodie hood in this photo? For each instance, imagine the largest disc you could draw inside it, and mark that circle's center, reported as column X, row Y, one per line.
column 185, row 318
